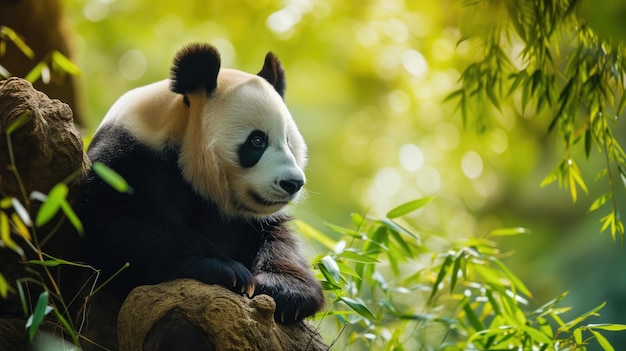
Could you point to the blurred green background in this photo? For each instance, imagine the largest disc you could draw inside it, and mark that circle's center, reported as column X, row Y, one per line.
column 366, row 85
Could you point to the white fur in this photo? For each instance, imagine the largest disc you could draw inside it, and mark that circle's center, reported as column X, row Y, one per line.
column 209, row 132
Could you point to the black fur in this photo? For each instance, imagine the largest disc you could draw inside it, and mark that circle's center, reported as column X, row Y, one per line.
column 274, row 73
column 166, row 231
column 195, row 68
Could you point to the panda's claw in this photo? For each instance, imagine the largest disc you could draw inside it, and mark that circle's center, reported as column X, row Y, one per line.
column 282, row 317
column 297, row 314
column 250, row 290
column 234, row 280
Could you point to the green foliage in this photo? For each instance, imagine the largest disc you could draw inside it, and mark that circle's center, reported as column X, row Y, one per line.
column 55, row 61
column 391, row 292
column 564, row 69
column 16, row 223
column 111, row 177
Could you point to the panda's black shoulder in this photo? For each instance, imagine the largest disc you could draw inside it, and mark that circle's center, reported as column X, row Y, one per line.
column 148, row 172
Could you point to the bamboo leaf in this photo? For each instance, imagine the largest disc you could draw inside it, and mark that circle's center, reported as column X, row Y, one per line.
column 599, row 202
column 4, row 287
column 537, row 335
column 349, row 232
column 51, row 206
column 18, row 41
column 5, row 235
column 442, row 273
column 519, row 78
column 41, row 310
column 111, row 177
column 455, row 271
column 19, row 227
column 63, row 62
column 517, row 283
column 406, row 249
column 621, row 104
column 606, row 345
column 510, row 231
column 357, row 257
column 608, row 327
column 358, row 307
column 551, row 177
column 408, row 207
column 578, row 336
column 330, row 269
column 71, row 216
column 36, row 72
column 473, row 318
column 307, row 230
column 581, row 318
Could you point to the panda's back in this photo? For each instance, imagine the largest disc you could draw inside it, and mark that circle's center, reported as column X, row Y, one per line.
column 152, row 113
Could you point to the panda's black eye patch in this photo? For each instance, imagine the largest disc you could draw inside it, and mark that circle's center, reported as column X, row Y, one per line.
column 252, row 149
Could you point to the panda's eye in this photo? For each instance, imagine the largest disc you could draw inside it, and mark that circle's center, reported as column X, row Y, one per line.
column 252, row 149
column 257, row 141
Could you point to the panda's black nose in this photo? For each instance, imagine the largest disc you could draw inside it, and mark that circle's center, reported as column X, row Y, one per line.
column 291, row 185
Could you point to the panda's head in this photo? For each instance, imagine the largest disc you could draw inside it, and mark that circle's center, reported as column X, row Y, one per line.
column 241, row 148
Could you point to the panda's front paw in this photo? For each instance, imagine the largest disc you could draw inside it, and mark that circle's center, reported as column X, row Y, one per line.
column 228, row 273
column 295, row 299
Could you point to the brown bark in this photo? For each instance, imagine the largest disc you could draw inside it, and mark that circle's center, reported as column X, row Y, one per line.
column 196, row 316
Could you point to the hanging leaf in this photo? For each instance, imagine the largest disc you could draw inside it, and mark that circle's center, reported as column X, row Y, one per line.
column 442, row 273
column 41, row 310
column 17, row 40
column 408, row 207
column 4, row 287
column 51, row 206
column 608, row 327
column 510, row 231
column 111, row 177
column 357, row 257
column 5, row 235
column 330, row 270
column 308, row 231
column 606, row 345
column 65, row 64
column 71, row 216
column 599, row 202
column 358, row 307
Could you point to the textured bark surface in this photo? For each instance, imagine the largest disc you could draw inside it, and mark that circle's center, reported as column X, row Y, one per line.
column 196, row 316
column 46, row 148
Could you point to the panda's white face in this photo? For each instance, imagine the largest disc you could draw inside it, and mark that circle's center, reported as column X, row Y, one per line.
column 242, row 148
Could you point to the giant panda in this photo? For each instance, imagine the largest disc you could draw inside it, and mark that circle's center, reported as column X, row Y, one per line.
column 212, row 156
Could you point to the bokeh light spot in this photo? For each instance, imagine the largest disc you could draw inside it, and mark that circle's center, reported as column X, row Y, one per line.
column 398, row 101
column 396, row 30
column 133, row 64
column 411, row 157
column 414, row 63
column 499, row 141
column 367, row 36
column 388, row 181
column 472, row 164
column 96, row 10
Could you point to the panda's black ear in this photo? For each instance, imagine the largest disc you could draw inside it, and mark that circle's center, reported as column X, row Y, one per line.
column 274, row 73
column 195, row 67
